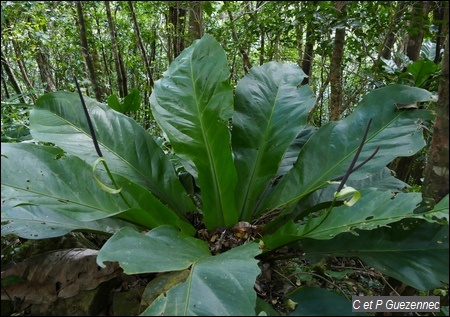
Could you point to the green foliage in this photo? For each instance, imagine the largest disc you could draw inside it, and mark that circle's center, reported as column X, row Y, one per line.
column 15, row 121
column 248, row 156
column 131, row 102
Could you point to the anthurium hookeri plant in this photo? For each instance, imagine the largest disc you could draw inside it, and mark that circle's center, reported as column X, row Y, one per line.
column 249, row 169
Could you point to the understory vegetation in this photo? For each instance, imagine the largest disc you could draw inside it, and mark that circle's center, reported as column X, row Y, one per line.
column 212, row 191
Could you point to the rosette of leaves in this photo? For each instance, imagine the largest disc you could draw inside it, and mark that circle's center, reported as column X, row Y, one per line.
column 248, row 156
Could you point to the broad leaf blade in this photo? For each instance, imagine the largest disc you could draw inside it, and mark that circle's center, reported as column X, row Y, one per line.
column 149, row 211
column 114, row 103
column 215, row 284
column 221, row 285
column 270, row 110
column 129, row 150
column 291, row 154
column 37, row 222
column 374, row 209
column 40, row 175
column 328, row 153
column 192, row 103
column 381, row 181
column 132, row 101
column 166, row 249
column 412, row 251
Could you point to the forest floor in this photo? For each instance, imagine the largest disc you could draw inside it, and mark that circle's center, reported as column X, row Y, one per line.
column 281, row 273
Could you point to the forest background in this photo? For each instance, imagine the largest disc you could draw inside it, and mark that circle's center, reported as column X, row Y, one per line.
column 347, row 48
column 120, row 48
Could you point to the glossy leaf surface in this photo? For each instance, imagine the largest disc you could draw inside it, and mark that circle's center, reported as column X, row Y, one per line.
column 214, row 285
column 43, row 176
column 192, row 104
column 328, row 153
column 374, row 209
column 270, row 109
column 37, row 222
column 129, row 150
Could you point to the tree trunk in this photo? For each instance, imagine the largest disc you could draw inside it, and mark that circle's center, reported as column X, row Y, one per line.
column 262, row 40
column 196, row 27
column 87, row 54
column 418, row 23
column 45, row 72
column 23, row 69
column 436, row 170
column 390, row 37
column 177, row 17
column 11, row 77
column 298, row 27
column 245, row 59
column 440, row 17
column 5, row 87
column 141, row 46
column 308, row 55
column 107, row 72
column 335, row 104
column 121, row 77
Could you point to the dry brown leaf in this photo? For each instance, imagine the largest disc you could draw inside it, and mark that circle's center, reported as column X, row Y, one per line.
column 57, row 274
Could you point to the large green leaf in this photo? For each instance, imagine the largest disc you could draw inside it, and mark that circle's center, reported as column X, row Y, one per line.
column 43, row 176
column 165, row 248
column 221, row 285
column 129, row 150
column 291, row 154
column 215, row 285
column 37, row 222
column 270, row 110
column 373, row 210
column 192, row 104
column 412, row 251
column 150, row 212
column 38, row 175
column 329, row 152
column 322, row 198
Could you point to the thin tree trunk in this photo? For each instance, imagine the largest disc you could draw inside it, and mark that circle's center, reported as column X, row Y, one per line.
column 335, row 104
column 169, row 39
column 440, row 16
column 262, row 40
column 141, row 46
column 308, row 54
column 245, row 59
column 386, row 50
column 436, row 170
column 87, row 54
column 44, row 70
column 177, row 16
column 196, row 27
column 299, row 35
column 153, row 55
column 105, row 61
column 5, row 86
column 121, row 78
column 11, row 77
column 23, row 69
column 418, row 19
